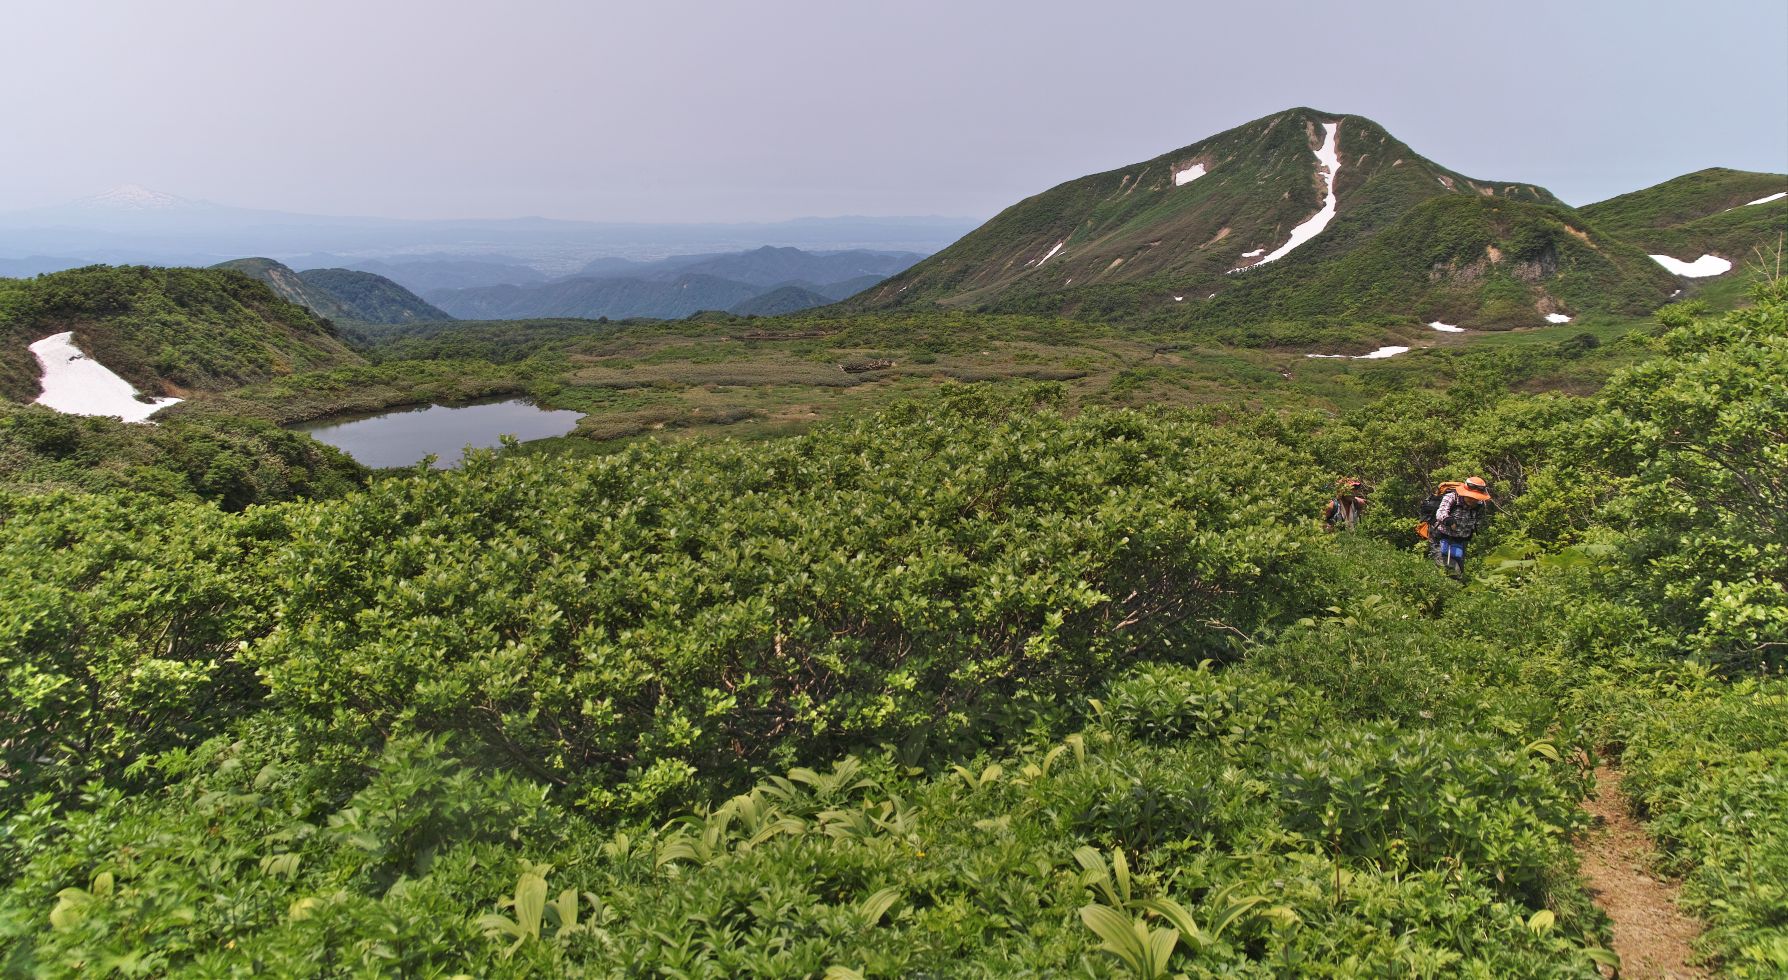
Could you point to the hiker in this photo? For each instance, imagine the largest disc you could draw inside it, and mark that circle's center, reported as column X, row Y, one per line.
column 1458, row 515
column 1343, row 512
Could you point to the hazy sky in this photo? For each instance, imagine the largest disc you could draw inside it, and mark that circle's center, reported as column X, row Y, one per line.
column 673, row 110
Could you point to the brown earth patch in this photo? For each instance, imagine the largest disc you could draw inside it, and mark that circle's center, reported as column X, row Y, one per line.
column 1654, row 939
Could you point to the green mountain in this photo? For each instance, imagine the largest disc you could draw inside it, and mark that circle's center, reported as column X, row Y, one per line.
column 1716, row 211
column 165, row 330
column 371, row 298
column 1282, row 212
column 783, row 299
column 340, row 294
column 617, row 299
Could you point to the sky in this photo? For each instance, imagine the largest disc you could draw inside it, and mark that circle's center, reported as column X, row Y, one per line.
column 683, row 111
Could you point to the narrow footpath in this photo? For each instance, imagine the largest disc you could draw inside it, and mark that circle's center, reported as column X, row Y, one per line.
column 1652, row 937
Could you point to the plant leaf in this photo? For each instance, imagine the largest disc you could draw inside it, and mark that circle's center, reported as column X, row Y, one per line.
column 878, row 904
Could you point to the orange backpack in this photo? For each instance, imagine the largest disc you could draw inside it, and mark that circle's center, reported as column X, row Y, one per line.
column 1431, row 506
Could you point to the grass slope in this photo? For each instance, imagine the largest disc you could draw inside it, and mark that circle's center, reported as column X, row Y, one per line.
column 1706, row 212
column 1137, row 224
column 1411, row 239
column 166, row 330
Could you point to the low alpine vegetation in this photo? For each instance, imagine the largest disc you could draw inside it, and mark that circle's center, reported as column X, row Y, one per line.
column 976, row 686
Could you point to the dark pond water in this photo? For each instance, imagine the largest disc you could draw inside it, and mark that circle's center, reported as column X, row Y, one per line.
column 403, row 437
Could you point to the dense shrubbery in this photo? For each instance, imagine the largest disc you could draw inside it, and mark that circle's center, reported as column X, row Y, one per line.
column 204, row 329
column 233, row 462
column 920, row 694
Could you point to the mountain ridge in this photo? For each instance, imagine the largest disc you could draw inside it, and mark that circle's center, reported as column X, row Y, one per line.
column 340, row 294
column 681, row 285
column 1155, row 240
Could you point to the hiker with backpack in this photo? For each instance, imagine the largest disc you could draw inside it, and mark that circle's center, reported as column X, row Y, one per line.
column 1343, row 512
column 1452, row 514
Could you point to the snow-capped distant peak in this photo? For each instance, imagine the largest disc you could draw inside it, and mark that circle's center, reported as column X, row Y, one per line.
column 132, row 197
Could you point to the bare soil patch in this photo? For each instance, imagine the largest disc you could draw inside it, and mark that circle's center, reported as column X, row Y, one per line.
column 1654, row 939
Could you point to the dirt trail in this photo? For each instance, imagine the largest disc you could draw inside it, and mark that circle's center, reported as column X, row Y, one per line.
column 1652, row 937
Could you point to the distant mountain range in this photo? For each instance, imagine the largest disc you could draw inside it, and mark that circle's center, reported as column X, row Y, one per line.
column 135, row 225
column 762, row 281
column 340, row 294
column 1312, row 216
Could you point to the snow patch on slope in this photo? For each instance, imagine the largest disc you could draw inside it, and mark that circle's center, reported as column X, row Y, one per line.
column 1377, row 355
column 1777, row 196
column 1256, row 252
column 1706, row 265
column 1051, row 253
column 1329, row 156
column 1188, row 175
column 1557, row 318
column 75, row 384
column 1446, row 327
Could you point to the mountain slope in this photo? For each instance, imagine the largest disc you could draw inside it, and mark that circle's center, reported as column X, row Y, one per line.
column 783, row 299
column 166, row 331
column 437, row 272
column 760, row 281
column 340, row 294
column 1286, row 193
column 767, row 266
column 369, row 297
column 1716, row 211
column 617, row 299
column 1480, row 262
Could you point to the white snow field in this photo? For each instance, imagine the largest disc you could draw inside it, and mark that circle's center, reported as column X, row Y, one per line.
column 75, row 384
column 1557, row 318
column 1707, row 265
column 1777, row 196
column 1249, row 255
column 1446, row 327
column 1330, row 158
column 1188, row 175
column 1377, row 355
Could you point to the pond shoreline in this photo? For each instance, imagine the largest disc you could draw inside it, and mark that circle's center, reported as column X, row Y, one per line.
column 404, row 436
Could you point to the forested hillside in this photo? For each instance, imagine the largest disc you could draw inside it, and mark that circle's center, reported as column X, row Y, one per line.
column 340, row 294
column 987, row 683
column 166, row 331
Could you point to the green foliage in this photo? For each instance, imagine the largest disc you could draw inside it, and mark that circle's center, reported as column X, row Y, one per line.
column 121, row 621
column 975, row 686
column 232, row 462
column 1703, row 435
column 621, row 624
column 163, row 330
